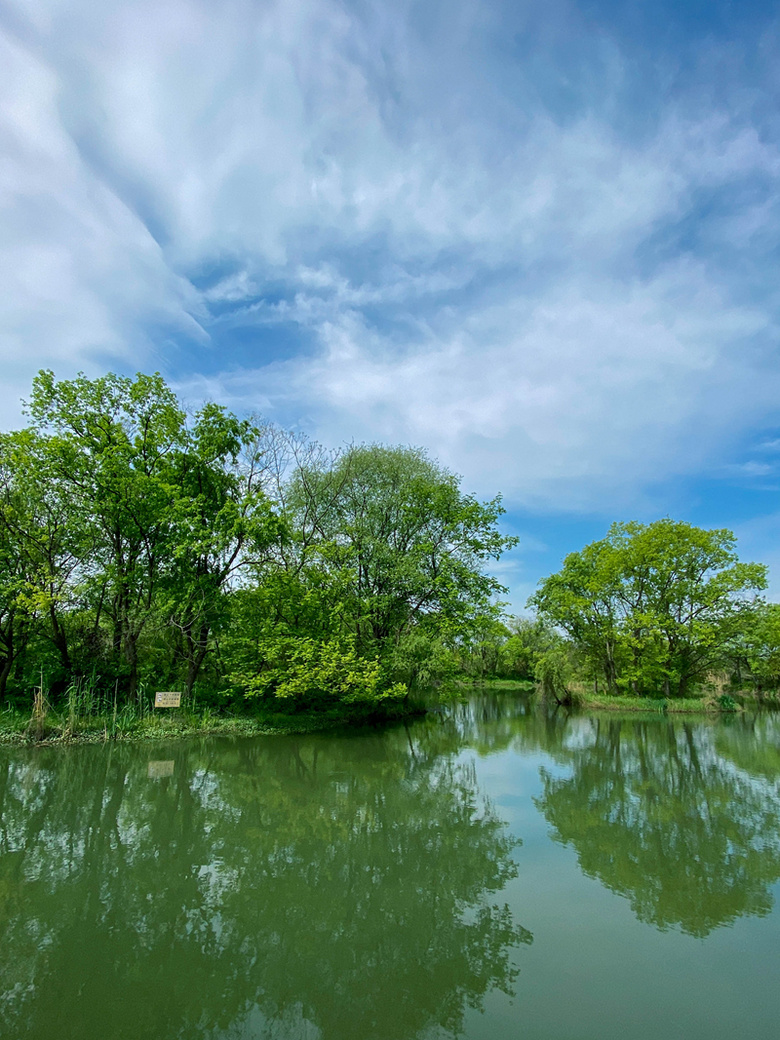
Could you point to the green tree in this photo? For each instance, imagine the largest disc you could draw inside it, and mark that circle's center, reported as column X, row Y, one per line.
column 410, row 541
column 43, row 543
column 529, row 639
column 221, row 523
column 113, row 439
column 652, row 607
column 754, row 652
column 135, row 540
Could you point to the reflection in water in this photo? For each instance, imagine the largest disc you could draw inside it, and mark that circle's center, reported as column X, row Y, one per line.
column 348, row 888
column 658, row 817
column 323, row 887
column 752, row 743
column 681, row 817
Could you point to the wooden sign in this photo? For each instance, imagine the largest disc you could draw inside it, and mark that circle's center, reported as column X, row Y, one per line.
column 167, row 699
column 158, row 769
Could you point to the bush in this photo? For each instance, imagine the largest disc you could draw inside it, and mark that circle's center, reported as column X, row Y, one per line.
column 310, row 673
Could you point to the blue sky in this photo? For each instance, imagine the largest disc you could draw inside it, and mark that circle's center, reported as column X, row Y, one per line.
column 539, row 239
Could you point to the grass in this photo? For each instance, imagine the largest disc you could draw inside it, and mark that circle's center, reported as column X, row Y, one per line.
column 585, row 700
column 86, row 717
column 15, row 728
column 672, row 705
column 503, row 685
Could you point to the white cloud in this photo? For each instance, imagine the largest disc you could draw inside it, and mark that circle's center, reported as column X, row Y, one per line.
column 76, row 264
column 752, row 468
column 573, row 396
column 546, row 303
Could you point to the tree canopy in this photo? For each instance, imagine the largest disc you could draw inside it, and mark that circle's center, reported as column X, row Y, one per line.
column 652, row 607
column 140, row 542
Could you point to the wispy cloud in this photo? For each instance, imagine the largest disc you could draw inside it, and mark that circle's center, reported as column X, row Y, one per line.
column 497, row 229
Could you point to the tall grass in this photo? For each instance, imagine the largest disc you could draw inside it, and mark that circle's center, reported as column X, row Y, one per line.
column 85, row 710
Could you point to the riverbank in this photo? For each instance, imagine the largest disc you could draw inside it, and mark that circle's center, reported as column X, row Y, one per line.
column 706, row 704
column 677, row 706
column 19, row 729
column 56, row 728
column 584, row 700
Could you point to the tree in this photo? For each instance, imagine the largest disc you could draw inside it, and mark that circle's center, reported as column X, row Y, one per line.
column 42, row 544
column 653, row 606
column 135, row 540
column 112, row 441
column 380, row 569
column 222, row 521
column 529, row 640
column 409, row 542
column 754, row 653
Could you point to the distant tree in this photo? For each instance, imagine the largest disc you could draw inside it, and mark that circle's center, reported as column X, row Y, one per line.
column 754, row 651
column 528, row 640
column 653, row 607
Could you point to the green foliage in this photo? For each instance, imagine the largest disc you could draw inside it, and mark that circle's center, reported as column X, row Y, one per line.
column 404, row 538
column 652, row 607
column 309, row 673
column 554, row 673
column 529, row 641
column 140, row 545
column 754, row 651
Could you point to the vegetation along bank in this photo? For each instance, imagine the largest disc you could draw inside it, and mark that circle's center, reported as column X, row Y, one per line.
column 279, row 585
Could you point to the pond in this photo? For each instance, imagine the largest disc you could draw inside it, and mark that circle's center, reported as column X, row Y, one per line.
column 488, row 872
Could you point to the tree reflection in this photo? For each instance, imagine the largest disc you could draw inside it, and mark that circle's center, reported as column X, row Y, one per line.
column 753, row 744
column 657, row 816
column 289, row 887
column 680, row 817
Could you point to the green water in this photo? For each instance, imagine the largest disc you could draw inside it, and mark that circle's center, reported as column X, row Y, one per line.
column 488, row 873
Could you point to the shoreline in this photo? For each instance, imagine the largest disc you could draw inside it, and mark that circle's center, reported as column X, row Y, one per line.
column 16, row 727
column 151, row 728
column 737, row 703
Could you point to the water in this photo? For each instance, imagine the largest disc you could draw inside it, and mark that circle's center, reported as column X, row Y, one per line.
column 487, row 874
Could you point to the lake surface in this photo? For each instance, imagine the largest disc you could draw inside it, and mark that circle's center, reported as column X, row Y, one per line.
column 487, row 873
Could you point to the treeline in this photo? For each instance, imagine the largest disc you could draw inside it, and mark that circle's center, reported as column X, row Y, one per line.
column 660, row 610
column 144, row 548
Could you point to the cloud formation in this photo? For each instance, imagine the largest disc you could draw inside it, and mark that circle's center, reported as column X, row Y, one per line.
column 500, row 231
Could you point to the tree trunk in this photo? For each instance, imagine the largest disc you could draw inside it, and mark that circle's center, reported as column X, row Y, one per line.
column 7, row 637
column 5, row 671
column 196, row 655
column 131, row 655
column 60, row 639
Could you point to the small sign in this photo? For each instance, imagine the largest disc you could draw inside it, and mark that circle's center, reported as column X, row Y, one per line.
column 156, row 770
column 167, row 699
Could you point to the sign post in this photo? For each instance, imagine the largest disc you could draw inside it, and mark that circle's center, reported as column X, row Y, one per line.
column 167, row 699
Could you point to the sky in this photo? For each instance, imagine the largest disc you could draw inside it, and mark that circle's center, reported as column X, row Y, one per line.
column 539, row 239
